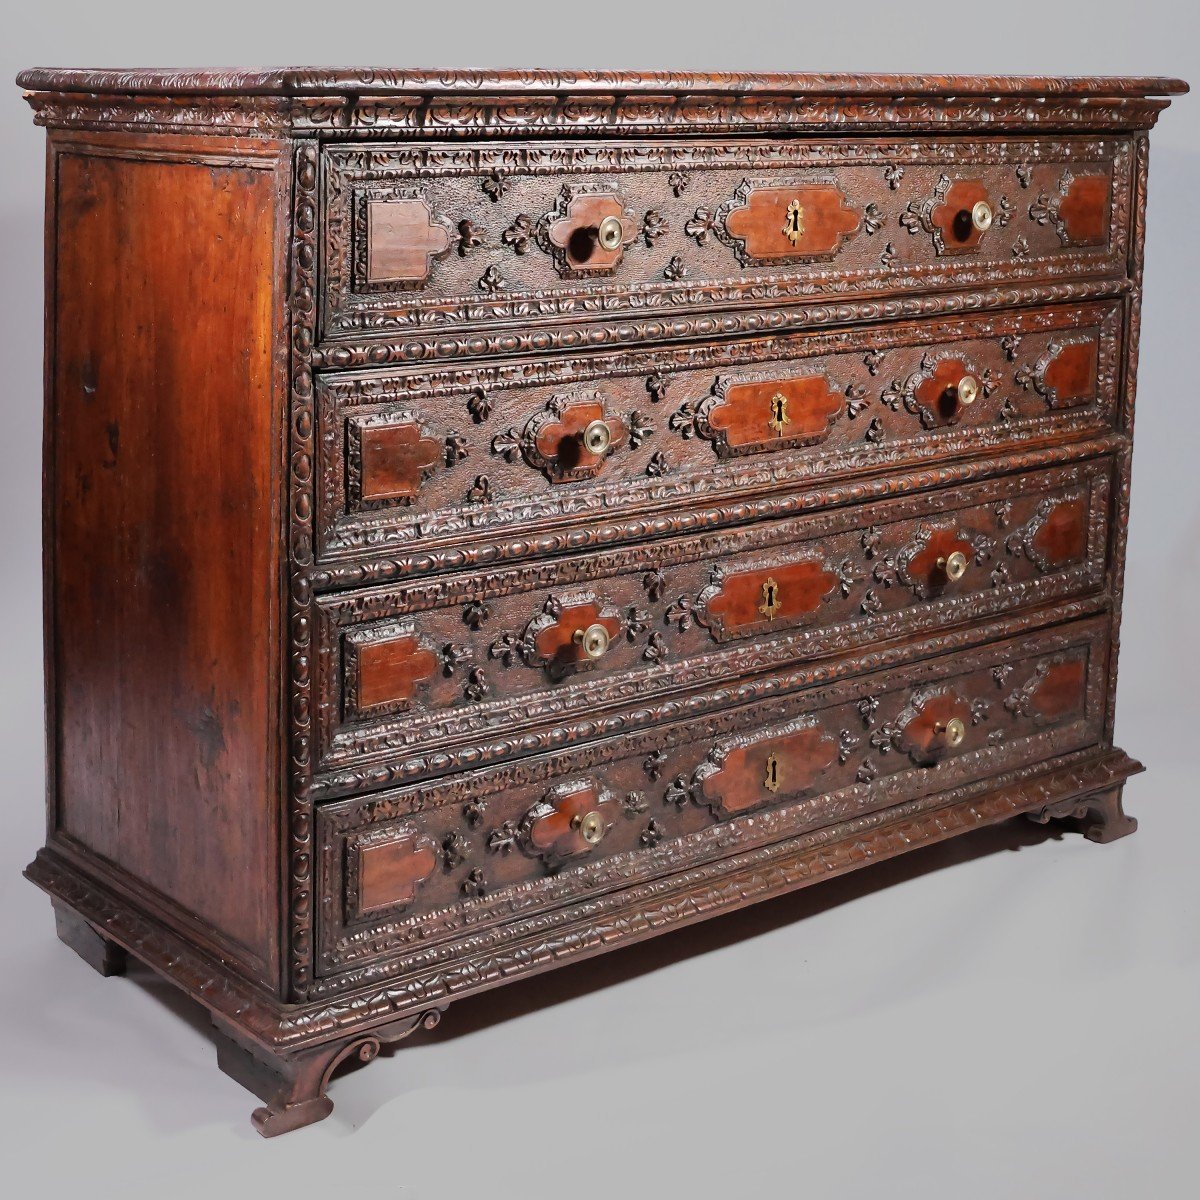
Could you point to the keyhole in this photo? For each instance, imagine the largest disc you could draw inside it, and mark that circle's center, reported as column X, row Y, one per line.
column 779, row 414
column 772, row 780
column 770, row 599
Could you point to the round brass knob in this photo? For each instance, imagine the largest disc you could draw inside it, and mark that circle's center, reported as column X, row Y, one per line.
column 982, row 216
column 590, row 827
column 593, row 640
column 597, row 437
column 954, row 565
column 953, row 731
column 968, row 389
column 609, row 233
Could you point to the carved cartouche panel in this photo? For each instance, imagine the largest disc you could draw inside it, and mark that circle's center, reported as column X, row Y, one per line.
column 404, row 238
column 936, row 722
column 570, row 440
column 385, row 868
column 745, row 772
column 1054, row 534
column 388, row 459
column 746, row 416
column 1065, row 374
column 1078, row 209
column 587, row 232
column 384, row 669
column 570, row 634
column 939, row 559
column 958, row 216
column 740, row 603
column 570, row 821
column 795, row 222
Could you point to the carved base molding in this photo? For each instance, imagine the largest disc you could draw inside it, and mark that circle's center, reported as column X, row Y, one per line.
column 286, row 1053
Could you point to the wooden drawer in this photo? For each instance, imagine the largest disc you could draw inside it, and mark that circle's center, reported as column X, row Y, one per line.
column 472, row 661
column 415, row 464
column 424, row 242
column 400, row 871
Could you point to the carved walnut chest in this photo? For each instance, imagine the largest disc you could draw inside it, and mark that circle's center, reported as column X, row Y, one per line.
column 495, row 517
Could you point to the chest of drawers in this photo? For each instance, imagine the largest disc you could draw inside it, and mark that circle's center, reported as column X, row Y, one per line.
column 495, row 517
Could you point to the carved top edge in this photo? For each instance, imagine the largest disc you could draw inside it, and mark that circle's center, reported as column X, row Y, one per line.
column 313, row 81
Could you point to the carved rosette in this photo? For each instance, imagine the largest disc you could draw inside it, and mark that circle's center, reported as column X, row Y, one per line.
column 569, row 822
column 742, row 773
column 765, row 223
column 554, row 441
column 1078, row 211
column 925, row 729
column 946, row 216
column 570, row 232
column 397, row 239
column 550, row 642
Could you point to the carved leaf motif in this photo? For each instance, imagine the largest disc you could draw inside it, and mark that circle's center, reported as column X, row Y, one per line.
column 640, row 428
column 469, row 237
column 456, row 449
column 872, row 219
column 675, row 270
column 701, row 226
column 480, row 492
column 521, row 234
column 479, row 406
column 654, row 225
column 492, row 281
column 455, row 849
column 893, row 173
column 502, row 839
column 494, row 185
column 656, row 385
column 677, row 181
column 658, row 465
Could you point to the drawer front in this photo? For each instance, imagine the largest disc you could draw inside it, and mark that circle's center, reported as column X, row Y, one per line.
column 463, row 458
column 454, row 661
column 403, row 869
column 422, row 240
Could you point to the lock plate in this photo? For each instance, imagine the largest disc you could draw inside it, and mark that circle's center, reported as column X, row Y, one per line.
column 793, row 222
column 774, row 773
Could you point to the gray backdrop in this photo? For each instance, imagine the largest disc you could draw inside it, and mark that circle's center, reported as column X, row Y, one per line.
column 993, row 1023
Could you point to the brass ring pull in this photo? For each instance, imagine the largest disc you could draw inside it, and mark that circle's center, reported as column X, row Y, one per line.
column 593, row 640
column 609, row 233
column 968, row 389
column 954, row 565
column 982, row 216
column 597, row 437
column 589, row 826
column 953, row 730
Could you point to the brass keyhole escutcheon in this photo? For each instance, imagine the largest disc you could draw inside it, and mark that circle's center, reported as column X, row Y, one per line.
column 778, row 419
column 593, row 640
column 954, row 566
column 793, row 224
column 774, row 776
column 590, row 827
column 609, row 233
column 954, row 730
column 771, row 602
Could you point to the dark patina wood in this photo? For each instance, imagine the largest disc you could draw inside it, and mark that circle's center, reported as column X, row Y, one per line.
column 466, row 554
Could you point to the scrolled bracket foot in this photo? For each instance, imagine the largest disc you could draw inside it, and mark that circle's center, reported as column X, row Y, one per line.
column 293, row 1086
column 1100, row 817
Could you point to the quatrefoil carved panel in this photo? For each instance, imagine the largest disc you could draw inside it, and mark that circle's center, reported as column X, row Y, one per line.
column 553, row 440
